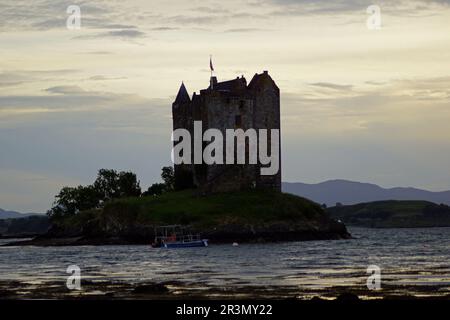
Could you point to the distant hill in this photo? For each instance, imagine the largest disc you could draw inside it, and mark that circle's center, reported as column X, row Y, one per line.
column 393, row 214
column 349, row 192
column 14, row 215
column 24, row 227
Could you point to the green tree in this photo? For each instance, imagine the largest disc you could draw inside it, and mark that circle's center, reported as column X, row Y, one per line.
column 128, row 185
column 64, row 203
column 111, row 184
column 108, row 185
column 168, row 177
column 155, row 189
column 71, row 200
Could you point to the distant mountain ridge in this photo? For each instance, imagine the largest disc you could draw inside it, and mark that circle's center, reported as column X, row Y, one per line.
column 350, row 192
column 4, row 214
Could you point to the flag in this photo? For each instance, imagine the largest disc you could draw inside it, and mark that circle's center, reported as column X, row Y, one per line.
column 210, row 64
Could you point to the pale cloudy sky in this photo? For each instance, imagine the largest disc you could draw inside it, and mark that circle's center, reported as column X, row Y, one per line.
column 357, row 104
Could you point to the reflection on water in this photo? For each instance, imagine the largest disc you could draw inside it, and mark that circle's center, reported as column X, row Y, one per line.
column 407, row 257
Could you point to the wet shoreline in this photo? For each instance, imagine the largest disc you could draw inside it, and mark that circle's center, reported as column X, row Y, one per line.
column 174, row 290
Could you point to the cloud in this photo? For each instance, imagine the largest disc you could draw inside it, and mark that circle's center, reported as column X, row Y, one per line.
column 44, row 15
column 66, row 90
column 11, row 79
column 431, row 89
column 325, row 7
column 341, row 87
column 125, row 34
column 105, row 78
column 301, row 7
column 17, row 77
column 243, row 30
column 68, row 99
column 375, row 83
column 218, row 19
column 165, row 28
column 397, row 101
column 211, row 10
column 197, row 20
column 50, row 15
column 117, row 26
column 99, row 52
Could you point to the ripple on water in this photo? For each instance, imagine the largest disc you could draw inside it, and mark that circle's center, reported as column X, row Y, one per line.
column 407, row 257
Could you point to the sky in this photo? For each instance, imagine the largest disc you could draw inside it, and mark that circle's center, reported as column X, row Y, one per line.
column 356, row 103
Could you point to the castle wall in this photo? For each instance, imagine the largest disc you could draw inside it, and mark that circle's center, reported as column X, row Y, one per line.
column 231, row 105
column 225, row 111
column 267, row 116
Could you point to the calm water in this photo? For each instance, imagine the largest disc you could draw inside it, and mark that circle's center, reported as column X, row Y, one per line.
column 417, row 257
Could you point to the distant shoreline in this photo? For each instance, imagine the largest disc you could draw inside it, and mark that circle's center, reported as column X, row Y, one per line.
column 275, row 237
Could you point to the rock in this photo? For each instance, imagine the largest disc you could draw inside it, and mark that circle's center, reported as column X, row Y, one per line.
column 317, row 299
column 347, row 297
column 151, row 289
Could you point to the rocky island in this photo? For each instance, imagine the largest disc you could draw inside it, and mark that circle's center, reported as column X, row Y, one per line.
column 251, row 216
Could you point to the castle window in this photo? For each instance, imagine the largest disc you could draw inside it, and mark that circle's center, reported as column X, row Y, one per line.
column 238, row 121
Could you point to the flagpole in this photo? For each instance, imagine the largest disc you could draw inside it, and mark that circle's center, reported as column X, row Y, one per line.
column 210, row 62
column 211, row 69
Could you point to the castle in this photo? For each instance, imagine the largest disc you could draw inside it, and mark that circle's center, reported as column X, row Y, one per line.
column 228, row 105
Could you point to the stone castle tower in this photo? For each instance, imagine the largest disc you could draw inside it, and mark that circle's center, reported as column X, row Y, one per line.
column 228, row 105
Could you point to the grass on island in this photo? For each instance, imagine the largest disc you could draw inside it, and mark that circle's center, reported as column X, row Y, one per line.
column 186, row 207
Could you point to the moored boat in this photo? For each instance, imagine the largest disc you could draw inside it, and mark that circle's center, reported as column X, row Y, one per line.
column 177, row 236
